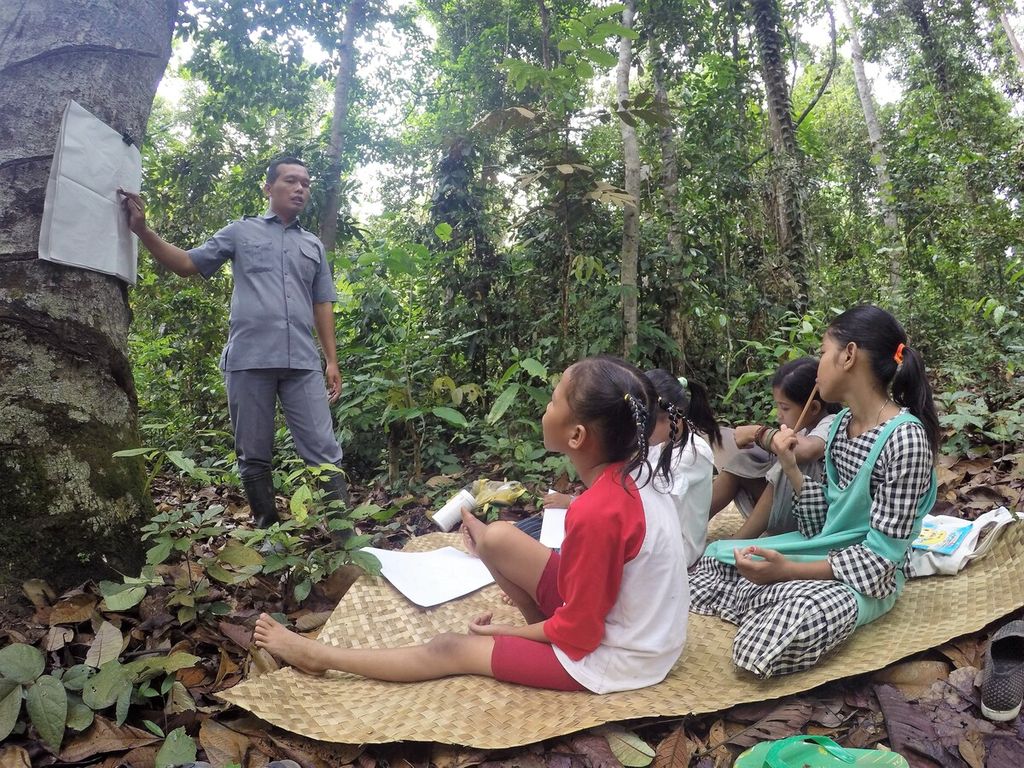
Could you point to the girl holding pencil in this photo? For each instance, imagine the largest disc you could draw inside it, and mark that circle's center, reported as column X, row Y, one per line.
column 798, row 595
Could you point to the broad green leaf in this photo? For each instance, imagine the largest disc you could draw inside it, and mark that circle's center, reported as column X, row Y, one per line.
column 534, row 367
column 121, row 597
column 157, row 554
column 153, row 728
column 21, row 663
column 10, row 706
column 106, row 646
column 302, row 590
column 130, row 452
column 178, row 748
column 240, row 555
column 47, row 706
column 450, row 415
column 102, row 689
column 80, row 716
column 569, row 45
column 297, row 503
column 124, row 701
column 443, row 231
column 75, row 677
column 630, row 749
column 601, row 57
column 505, row 399
column 146, row 669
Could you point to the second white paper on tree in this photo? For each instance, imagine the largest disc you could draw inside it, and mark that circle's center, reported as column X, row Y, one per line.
column 83, row 223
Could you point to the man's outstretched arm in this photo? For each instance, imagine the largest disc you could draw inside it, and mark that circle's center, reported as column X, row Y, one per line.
column 171, row 256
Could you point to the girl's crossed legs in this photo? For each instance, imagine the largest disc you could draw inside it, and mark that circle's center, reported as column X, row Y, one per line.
column 519, row 564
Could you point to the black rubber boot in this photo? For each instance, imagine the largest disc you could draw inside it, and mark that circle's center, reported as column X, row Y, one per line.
column 259, row 490
column 335, row 488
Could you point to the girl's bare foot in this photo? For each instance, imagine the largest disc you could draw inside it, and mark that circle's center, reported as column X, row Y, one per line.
column 291, row 648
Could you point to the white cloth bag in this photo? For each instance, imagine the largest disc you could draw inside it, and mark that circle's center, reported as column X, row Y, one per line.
column 83, row 224
column 984, row 531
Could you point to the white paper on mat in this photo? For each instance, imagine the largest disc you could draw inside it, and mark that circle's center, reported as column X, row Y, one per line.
column 83, row 224
column 435, row 577
column 552, row 528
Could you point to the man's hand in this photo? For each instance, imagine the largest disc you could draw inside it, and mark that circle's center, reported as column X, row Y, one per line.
column 772, row 567
column 333, row 378
column 135, row 211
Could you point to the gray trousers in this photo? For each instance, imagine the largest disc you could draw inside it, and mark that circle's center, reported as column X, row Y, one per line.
column 252, row 401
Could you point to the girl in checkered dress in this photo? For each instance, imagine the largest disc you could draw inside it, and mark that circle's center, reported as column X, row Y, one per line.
column 796, row 596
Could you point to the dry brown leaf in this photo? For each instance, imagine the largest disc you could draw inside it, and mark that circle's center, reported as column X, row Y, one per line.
column 223, row 746
column 106, row 646
column 39, row 592
column 14, row 757
column 227, row 667
column 73, row 610
column 311, row 752
column 57, row 638
column 675, row 750
column 914, row 679
column 260, row 663
column 256, row 758
column 972, row 749
column 717, row 738
column 451, row 756
column 191, row 677
column 141, row 757
column 102, row 737
column 366, row 760
column 783, row 720
column 239, row 635
column 312, row 621
column 595, row 749
column 964, row 651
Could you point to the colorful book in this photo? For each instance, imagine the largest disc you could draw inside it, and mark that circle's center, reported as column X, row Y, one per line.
column 941, row 538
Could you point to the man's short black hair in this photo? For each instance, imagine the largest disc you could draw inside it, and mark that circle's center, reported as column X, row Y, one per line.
column 272, row 173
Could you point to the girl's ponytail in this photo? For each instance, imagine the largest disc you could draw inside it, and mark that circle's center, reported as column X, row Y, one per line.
column 678, row 433
column 911, row 389
column 699, row 412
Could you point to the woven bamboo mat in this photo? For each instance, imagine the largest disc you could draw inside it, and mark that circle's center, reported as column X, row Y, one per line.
column 487, row 714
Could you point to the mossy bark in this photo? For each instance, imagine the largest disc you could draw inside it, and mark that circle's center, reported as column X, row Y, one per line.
column 68, row 510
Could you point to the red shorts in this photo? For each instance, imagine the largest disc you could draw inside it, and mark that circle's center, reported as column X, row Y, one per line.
column 530, row 662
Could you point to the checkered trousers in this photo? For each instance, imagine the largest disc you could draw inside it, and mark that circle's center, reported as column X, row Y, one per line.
column 784, row 627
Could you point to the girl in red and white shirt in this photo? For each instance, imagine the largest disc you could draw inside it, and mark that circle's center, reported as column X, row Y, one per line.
column 606, row 614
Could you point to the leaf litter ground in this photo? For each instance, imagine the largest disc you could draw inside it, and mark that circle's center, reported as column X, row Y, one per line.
column 926, row 707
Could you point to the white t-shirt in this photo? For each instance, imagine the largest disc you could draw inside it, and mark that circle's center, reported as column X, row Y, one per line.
column 692, row 468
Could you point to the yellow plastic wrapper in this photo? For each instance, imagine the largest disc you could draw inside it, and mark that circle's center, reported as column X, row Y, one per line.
column 496, row 493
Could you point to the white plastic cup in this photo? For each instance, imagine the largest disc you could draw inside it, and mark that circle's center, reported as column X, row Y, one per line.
column 450, row 515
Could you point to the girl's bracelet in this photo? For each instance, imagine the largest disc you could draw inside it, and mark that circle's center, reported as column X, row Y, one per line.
column 758, row 435
column 768, row 438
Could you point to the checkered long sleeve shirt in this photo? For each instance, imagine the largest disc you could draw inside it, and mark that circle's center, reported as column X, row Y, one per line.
column 899, row 479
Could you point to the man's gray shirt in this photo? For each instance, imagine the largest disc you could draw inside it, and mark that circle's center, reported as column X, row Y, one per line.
column 279, row 274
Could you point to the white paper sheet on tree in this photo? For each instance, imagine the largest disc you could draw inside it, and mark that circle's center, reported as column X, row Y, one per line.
column 83, row 224
column 432, row 578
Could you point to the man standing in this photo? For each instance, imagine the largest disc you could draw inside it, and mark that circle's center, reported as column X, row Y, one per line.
column 283, row 291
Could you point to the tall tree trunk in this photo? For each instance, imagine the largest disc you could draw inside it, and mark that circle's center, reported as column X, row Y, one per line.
column 1011, row 36
column 930, row 47
column 545, row 33
column 68, row 510
column 791, row 273
column 669, row 176
column 629, row 254
column 342, row 87
column 878, row 158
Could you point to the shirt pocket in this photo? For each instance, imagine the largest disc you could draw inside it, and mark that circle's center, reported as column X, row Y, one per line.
column 309, row 263
column 257, row 256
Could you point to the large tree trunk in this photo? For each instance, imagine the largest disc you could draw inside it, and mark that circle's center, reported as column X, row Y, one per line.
column 790, row 284
column 1011, row 36
column 342, row 87
column 630, row 251
column 68, row 510
column 878, row 159
column 669, row 176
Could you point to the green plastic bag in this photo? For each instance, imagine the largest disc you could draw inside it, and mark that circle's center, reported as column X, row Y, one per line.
column 803, row 751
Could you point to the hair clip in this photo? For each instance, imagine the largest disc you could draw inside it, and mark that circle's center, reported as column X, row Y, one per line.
column 898, row 357
column 683, row 382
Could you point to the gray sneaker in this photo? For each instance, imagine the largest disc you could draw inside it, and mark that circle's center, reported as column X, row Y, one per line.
column 1002, row 683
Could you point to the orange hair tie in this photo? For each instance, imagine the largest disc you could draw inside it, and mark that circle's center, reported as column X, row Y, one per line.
column 898, row 357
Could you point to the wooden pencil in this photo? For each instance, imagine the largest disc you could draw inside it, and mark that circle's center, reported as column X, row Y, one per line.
column 807, row 407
